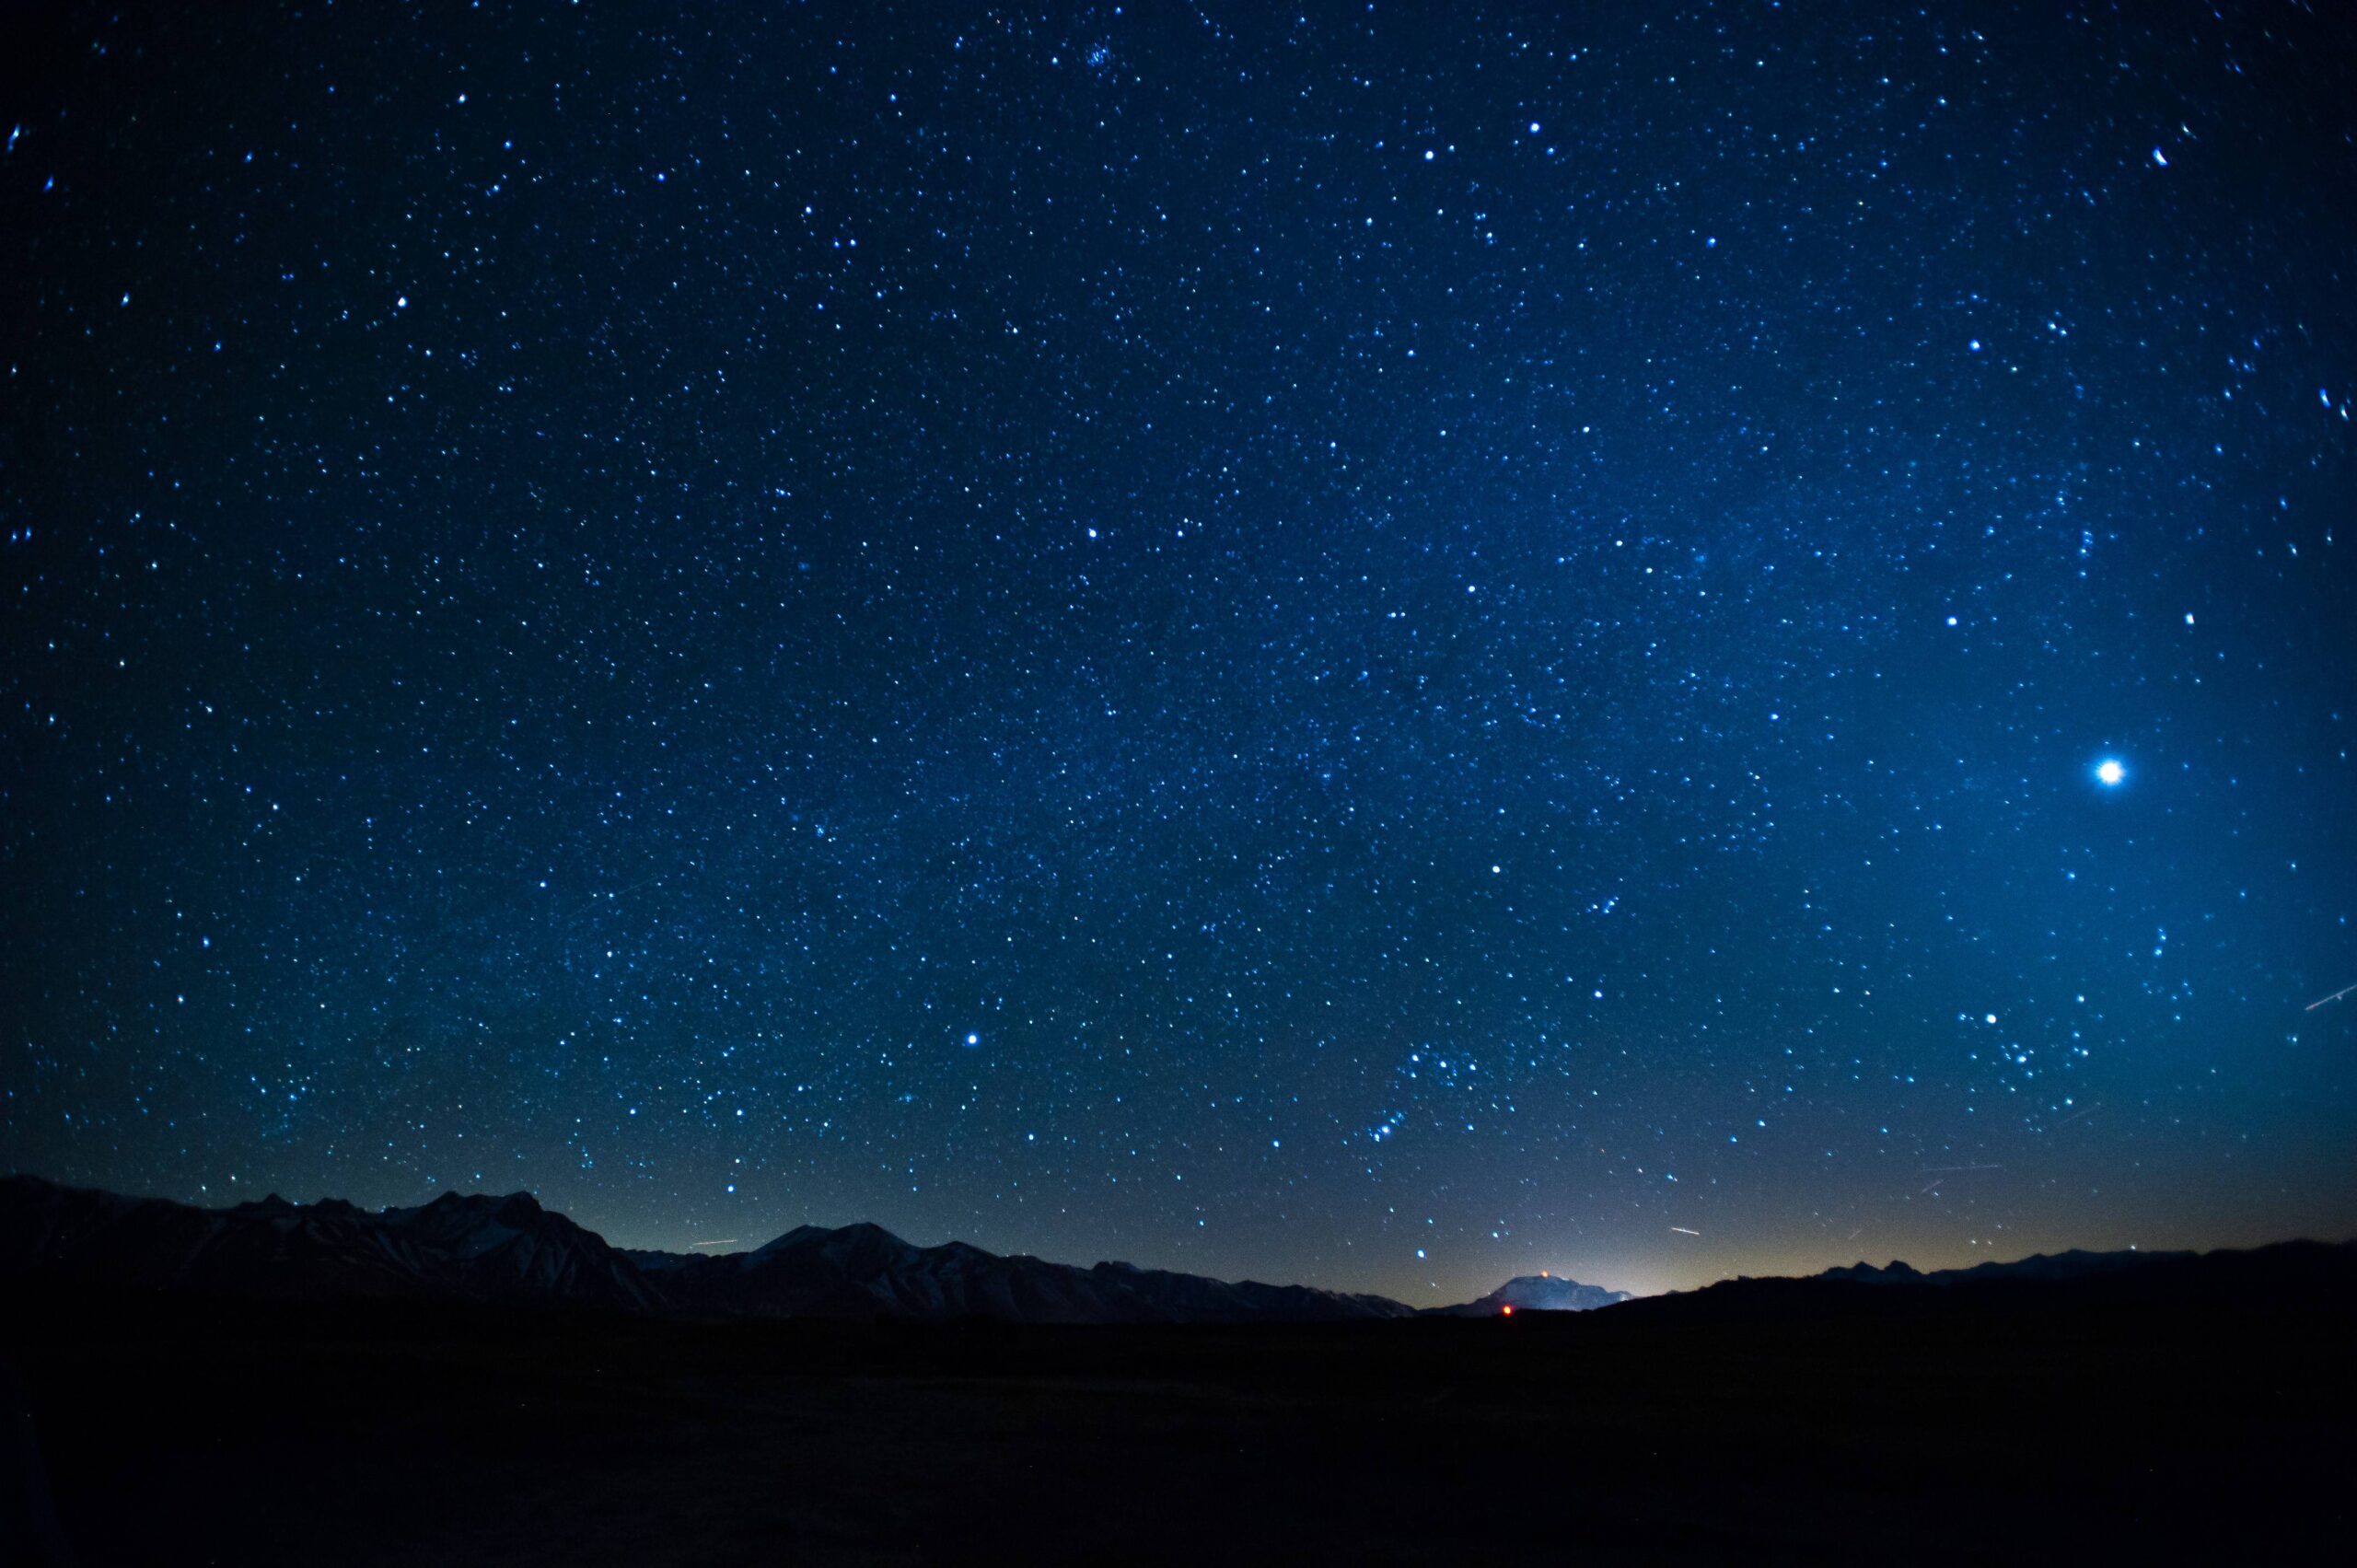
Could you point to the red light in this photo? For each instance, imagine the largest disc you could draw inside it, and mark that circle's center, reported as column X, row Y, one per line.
column 1509, row 1311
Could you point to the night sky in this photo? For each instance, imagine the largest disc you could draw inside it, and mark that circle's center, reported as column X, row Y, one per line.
column 1376, row 646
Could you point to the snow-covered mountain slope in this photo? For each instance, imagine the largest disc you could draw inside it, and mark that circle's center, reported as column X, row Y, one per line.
column 1537, row 1293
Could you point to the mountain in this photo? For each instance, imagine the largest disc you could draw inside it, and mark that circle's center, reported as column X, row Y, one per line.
column 865, row 1271
column 478, row 1247
column 2290, row 1274
column 2052, row 1268
column 1535, row 1293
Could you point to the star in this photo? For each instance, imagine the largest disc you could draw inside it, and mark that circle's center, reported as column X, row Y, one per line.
column 1350, row 524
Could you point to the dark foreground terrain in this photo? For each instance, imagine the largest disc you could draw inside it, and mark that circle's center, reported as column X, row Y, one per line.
column 1797, row 1428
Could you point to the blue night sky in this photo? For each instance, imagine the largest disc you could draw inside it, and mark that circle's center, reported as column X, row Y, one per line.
column 1384, row 645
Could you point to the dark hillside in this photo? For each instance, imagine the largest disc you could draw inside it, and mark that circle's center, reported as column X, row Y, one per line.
column 1928, row 1429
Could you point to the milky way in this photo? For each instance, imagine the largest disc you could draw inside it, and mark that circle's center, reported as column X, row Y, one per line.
column 1377, row 645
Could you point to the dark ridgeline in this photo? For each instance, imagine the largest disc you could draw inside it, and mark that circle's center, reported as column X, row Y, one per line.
column 2288, row 1274
column 486, row 1248
column 481, row 1380
column 477, row 1248
column 862, row 1272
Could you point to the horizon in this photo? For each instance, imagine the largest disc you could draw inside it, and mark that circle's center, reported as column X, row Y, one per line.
column 1362, row 646
column 738, row 1246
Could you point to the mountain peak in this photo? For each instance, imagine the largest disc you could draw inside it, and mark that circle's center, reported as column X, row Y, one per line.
column 868, row 1229
column 487, row 1246
column 1538, row 1293
column 1896, row 1271
column 2077, row 1262
column 858, row 1233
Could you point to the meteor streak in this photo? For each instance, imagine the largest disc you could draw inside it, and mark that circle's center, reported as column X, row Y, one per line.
column 2334, row 997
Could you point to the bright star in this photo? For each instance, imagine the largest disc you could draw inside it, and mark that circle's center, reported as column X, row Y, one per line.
column 2110, row 771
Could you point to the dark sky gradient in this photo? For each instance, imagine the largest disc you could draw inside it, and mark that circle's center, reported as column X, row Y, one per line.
column 1377, row 645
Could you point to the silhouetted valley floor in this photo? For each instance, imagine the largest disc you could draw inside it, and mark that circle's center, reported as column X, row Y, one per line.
column 205, row 1432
